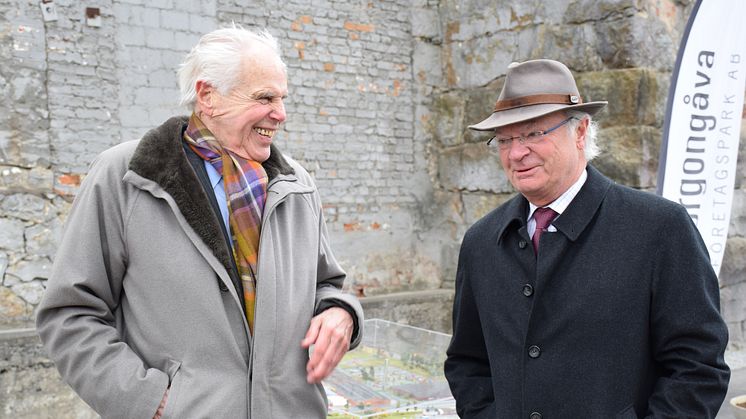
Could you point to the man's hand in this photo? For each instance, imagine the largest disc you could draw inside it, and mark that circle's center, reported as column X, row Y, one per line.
column 330, row 333
column 162, row 406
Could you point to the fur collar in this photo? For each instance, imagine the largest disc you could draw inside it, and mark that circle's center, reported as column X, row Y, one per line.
column 160, row 157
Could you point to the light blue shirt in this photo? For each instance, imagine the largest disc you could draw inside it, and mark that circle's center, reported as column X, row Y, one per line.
column 216, row 180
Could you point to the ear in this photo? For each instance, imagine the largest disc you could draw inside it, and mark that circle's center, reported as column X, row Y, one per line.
column 580, row 133
column 205, row 97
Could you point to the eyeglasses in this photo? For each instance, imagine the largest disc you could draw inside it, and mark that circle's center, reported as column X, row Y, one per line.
column 528, row 139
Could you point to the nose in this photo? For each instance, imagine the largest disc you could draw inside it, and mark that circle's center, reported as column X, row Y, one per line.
column 278, row 113
column 518, row 150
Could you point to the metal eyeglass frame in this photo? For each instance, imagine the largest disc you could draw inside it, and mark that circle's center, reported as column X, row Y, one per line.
column 530, row 138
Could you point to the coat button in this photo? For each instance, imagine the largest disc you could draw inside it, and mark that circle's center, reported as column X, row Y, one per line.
column 522, row 244
column 535, row 415
column 528, row 290
column 534, row 351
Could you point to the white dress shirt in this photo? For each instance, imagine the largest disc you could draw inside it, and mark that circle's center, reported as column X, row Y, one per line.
column 559, row 205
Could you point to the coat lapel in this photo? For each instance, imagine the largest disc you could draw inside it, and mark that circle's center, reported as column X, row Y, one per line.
column 160, row 158
column 581, row 211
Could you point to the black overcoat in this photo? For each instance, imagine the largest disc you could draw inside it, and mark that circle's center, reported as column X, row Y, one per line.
column 619, row 318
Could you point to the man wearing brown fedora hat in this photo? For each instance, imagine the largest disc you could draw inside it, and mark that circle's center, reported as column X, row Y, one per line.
column 579, row 298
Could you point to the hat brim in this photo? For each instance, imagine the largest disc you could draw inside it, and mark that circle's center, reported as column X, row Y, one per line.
column 512, row 116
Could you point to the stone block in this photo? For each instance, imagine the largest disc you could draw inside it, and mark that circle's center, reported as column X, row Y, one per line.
column 425, row 23
column 446, row 121
column 184, row 42
column 425, row 309
column 736, row 335
column 144, row 16
column 26, row 271
column 449, row 259
column 202, row 24
column 11, row 234
column 75, row 150
column 599, row 10
column 733, row 270
column 570, row 44
column 446, row 211
column 26, row 207
column 477, row 205
column 158, row 114
column 174, row 19
column 159, row 39
column 13, row 310
column 629, row 155
column 732, row 303
column 426, row 64
column 480, row 103
column 134, row 116
column 42, row 239
column 638, row 40
column 474, row 62
column 636, row 96
column 738, row 214
column 23, row 145
column 31, row 292
column 35, row 180
column 98, row 115
column 163, row 78
column 130, row 35
column 471, row 167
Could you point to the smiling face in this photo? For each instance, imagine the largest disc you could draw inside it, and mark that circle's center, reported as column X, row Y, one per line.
column 543, row 171
column 245, row 119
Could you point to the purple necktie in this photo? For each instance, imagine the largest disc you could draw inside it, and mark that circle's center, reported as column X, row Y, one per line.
column 543, row 217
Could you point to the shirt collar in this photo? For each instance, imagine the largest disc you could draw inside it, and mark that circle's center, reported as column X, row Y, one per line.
column 560, row 204
column 213, row 174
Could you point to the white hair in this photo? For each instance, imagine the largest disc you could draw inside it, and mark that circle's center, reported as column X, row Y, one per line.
column 217, row 59
column 591, row 146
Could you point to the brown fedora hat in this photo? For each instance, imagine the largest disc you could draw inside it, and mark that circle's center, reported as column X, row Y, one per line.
column 536, row 88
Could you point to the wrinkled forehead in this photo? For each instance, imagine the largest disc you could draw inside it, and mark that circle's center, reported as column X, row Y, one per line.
column 260, row 54
column 264, row 74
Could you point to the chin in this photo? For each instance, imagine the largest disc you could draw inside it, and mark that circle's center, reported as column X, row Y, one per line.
column 263, row 155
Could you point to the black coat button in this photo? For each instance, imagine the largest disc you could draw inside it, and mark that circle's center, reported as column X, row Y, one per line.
column 534, row 351
column 528, row 290
column 522, row 244
column 535, row 415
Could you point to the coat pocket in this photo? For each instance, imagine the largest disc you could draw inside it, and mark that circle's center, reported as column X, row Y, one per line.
column 174, row 387
column 627, row 413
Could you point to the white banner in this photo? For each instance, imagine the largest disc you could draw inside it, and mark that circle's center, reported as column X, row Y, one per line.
column 703, row 120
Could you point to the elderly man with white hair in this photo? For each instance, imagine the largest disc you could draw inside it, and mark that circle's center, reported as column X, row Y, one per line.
column 195, row 272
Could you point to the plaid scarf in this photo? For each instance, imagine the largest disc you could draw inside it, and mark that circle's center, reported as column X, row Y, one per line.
column 245, row 183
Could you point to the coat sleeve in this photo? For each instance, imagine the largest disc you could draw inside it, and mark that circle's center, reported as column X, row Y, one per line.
column 77, row 318
column 688, row 334
column 467, row 367
column 329, row 280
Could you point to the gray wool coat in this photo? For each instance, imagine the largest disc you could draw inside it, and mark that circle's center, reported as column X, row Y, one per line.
column 617, row 318
column 142, row 293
